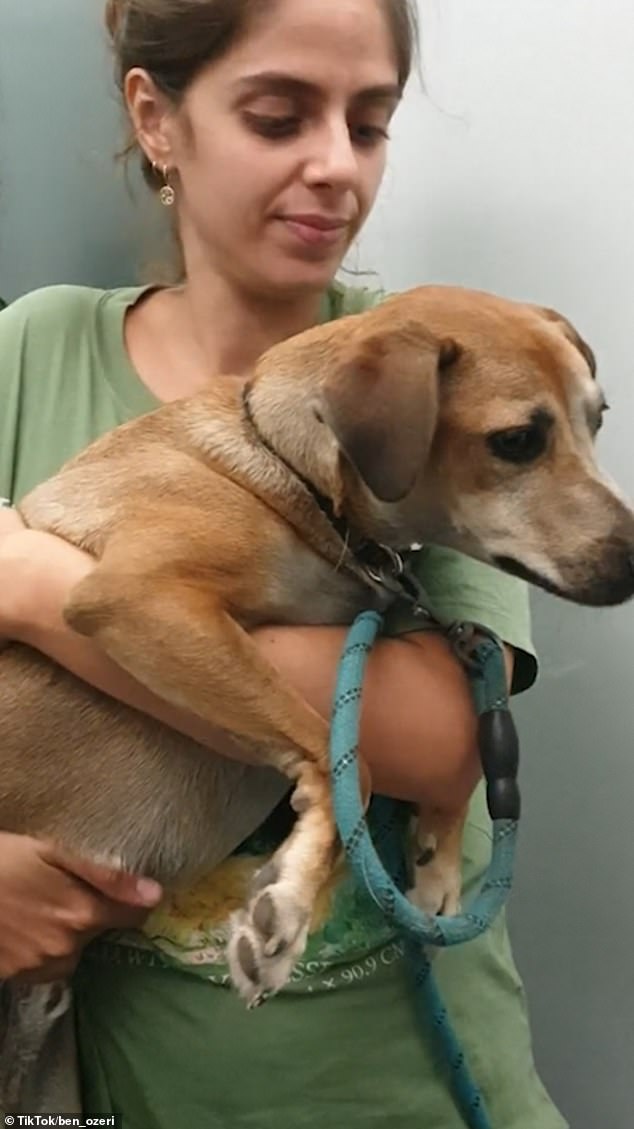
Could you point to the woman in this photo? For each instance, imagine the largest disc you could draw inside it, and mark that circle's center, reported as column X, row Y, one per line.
column 264, row 127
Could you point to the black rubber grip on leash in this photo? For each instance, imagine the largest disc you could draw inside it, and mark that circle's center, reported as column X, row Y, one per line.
column 500, row 755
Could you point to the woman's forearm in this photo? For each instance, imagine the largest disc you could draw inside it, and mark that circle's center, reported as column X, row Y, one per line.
column 417, row 729
column 418, row 724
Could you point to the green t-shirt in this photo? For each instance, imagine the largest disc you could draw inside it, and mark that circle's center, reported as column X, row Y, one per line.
column 175, row 1048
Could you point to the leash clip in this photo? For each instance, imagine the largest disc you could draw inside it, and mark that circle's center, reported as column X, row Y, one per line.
column 393, row 573
column 385, row 571
column 466, row 637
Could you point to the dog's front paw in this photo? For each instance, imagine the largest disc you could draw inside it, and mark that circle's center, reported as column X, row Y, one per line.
column 437, row 886
column 267, row 939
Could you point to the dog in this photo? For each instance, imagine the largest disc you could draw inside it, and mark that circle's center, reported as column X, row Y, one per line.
column 442, row 416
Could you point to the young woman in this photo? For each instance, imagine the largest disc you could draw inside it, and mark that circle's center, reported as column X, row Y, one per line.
column 264, row 126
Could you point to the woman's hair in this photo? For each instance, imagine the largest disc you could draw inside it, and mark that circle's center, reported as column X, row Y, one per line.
column 173, row 40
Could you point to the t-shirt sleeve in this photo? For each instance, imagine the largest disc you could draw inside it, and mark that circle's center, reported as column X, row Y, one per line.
column 341, row 301
column 40, row 339
column 463, row 589
column 12, row 342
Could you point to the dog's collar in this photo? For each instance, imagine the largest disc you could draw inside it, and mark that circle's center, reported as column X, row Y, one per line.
column 377, row 564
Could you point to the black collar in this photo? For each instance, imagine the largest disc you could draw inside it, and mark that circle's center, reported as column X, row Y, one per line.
column 375, row 562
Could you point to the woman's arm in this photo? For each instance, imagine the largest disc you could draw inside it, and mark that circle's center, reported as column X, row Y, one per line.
column 418, row 724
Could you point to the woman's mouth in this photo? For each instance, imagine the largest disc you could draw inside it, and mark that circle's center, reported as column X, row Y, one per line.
column 316, row 229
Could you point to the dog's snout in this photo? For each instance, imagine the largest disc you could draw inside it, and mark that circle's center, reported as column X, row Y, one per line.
column 606, row 576
column 602, row 576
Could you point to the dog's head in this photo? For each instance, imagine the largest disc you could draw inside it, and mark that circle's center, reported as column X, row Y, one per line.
column 461, row 418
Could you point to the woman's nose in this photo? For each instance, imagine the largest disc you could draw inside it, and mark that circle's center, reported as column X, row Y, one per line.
column 333, row 160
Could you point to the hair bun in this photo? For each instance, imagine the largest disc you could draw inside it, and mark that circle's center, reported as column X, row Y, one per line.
column 114, row 16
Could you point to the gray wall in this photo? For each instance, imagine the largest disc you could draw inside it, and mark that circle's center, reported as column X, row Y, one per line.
column 66, row 214
column 516, row 173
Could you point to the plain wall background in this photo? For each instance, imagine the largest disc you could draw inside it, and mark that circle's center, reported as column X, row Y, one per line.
column 514, row 172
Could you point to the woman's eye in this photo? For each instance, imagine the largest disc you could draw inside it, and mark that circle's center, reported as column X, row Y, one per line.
column 279, row 126
column 273, row 126
column 368, row 135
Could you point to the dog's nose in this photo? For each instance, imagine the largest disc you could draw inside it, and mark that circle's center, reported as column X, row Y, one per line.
column 604, row 578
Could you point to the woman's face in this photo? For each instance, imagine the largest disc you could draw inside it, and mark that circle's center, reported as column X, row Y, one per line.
column 280, row 145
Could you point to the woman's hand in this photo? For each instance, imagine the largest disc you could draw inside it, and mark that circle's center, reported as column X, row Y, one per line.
column 37, row 573
column 52, row 904
column 10, row 524
column 10, row 521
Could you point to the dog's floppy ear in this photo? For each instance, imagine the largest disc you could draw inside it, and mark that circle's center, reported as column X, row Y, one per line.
column 381, row 402
column 573, row 336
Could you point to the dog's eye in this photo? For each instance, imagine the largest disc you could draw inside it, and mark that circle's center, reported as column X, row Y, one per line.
column 605, row 407
column 518, row 444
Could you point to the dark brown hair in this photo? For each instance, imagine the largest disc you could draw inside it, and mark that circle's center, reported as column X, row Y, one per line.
column 174, row 39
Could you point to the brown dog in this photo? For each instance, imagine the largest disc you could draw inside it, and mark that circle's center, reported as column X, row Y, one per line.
column 444, row 416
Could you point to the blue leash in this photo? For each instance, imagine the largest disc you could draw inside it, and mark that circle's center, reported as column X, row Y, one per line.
column 386, row 881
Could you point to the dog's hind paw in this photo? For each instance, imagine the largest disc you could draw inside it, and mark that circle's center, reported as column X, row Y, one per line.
column 437, row 887
column 266, row 941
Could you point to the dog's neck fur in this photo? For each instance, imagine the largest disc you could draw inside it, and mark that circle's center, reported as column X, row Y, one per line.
column 356, row 552
column 326, row 505
column 245, row 456
column 379, row 566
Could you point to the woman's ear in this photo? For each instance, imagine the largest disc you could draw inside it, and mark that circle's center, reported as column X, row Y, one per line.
column 151, row 114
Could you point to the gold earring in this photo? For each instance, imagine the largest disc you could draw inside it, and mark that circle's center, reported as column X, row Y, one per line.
column 167, row 195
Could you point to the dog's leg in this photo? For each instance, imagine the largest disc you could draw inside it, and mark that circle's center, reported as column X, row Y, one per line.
column 170, row 632
column 437, row 885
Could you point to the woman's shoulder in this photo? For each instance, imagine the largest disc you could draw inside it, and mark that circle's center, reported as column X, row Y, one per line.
column 64, row 306
column 342, row 300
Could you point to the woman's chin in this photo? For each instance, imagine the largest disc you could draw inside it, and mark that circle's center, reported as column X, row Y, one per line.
column 303, row 277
